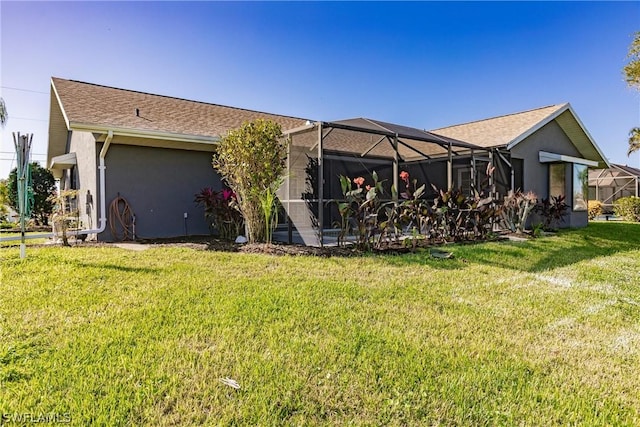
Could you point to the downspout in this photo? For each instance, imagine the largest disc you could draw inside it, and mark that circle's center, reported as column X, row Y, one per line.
column 103, row 197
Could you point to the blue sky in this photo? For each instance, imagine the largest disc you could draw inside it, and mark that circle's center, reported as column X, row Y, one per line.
column 425, row 65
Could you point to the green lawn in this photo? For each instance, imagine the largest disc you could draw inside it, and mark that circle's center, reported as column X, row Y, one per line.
column 545, row 332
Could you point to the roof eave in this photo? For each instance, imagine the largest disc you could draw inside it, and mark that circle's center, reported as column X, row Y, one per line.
column 64, row 113
column 143, row 133
column 586, row 132
column 553, row 116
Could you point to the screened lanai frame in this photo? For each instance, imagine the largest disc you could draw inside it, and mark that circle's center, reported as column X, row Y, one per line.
column 318, row 147
column 609, row 185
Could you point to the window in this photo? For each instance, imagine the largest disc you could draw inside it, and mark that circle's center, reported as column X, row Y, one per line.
column 557, row 184
column 518, row 173
column 464, row 180
column 580, row 187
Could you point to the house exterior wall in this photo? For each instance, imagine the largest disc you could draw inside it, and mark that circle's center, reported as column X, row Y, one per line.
column 550, row 138
column 86, row 177
column 159, row 185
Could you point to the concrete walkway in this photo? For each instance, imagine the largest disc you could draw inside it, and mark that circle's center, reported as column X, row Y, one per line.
column 132, row 246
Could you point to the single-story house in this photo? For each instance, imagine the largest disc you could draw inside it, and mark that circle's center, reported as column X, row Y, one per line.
column 610, row 184
column 155, row 152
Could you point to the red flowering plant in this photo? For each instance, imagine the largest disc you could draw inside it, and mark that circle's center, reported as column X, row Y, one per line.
column 415, row 214
column 221, row 211
column 359, row 210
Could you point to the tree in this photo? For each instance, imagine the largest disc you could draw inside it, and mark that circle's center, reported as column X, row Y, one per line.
column 634, row 140
column 632, row 77
column 632, row 69
column 4, row 200
column 251, row 159
column 3, row 113
column 43, row 185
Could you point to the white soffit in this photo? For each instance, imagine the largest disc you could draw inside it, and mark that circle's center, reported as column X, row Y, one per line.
column 546, row 157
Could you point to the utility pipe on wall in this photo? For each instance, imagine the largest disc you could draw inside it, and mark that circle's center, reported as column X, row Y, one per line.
column 103, row 196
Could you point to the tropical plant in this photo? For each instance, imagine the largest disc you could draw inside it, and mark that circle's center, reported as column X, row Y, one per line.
column 632, row 76
column 628, row 208
column 516, row 208
column 634, row 140
column 452, row 216
column 594, row 209
column 43, row 186
column 251, row 159
column 221, row 211
column 269, row 205
column 359, row 211
column 552, row 211
column 414, row 210
column 65, row 214
column 460, row 217
column 4, row 200
column 632, row 68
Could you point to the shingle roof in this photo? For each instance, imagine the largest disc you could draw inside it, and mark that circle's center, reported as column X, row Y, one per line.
column 499, row 131
column 628, row 169
column 91, row 104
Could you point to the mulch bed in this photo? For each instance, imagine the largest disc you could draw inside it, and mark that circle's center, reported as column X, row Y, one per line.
column 212, row 244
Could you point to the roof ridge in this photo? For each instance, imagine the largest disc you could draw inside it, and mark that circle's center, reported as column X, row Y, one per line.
column 501, row 116
column 177, row 98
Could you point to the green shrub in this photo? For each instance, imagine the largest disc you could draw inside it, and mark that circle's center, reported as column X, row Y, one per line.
column 595, row 209
column 628, row 208
column 251, row 160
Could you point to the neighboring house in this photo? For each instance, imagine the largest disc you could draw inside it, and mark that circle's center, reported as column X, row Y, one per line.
column 155, row 151
column 609, row 185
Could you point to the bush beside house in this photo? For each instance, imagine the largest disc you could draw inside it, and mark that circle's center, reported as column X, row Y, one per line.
column 628, row 208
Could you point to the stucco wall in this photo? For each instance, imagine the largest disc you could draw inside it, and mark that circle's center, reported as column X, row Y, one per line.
column 86, row 173
column 159, row 184
column 550, row 138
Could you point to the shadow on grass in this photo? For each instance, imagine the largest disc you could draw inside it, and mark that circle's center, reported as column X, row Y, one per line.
column 536, row 255
column 423, row 257
column 116, row 267
column 566, row 248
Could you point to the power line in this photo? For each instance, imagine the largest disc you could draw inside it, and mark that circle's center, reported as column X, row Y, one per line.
column 26, row 118
column 13, row 152
column 24, row 90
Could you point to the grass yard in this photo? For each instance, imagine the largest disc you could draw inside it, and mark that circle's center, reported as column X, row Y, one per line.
column 28, row 242
column 545, row 332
